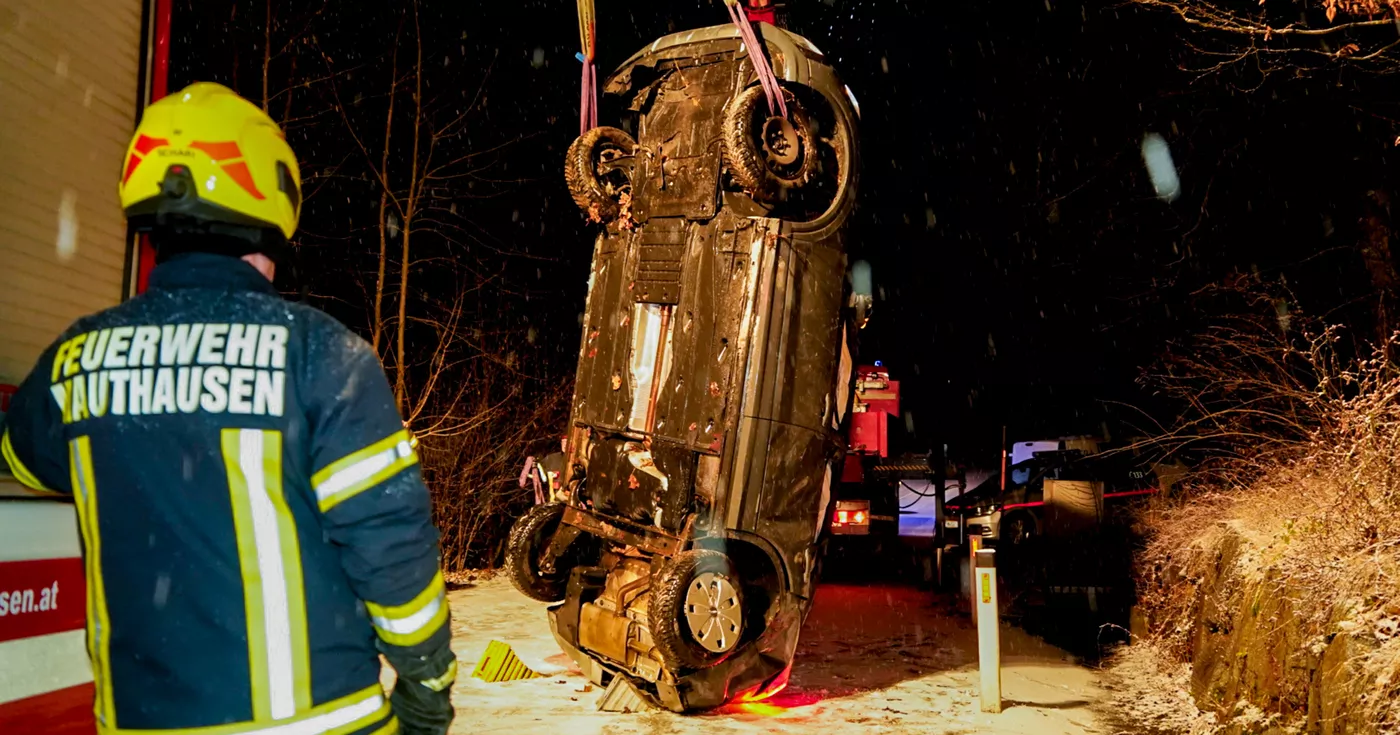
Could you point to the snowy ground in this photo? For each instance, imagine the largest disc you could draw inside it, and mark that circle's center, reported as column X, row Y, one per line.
column 884, row 659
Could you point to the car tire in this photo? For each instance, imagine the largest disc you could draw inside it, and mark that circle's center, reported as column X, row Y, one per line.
column 750, row 161
column 595, row 191
column 528, row 538
column 1016, row 530
column 687, row 635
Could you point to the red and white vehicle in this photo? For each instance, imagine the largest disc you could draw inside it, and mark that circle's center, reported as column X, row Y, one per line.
column 45, row 681
column 76, row 77
column 865, row 500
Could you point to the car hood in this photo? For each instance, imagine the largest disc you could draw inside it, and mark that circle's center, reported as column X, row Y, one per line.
column 986, row 493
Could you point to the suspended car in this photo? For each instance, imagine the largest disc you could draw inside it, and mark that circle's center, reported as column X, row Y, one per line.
column 710, row 383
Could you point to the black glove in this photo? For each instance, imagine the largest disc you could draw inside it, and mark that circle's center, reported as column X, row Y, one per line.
column 422, row 698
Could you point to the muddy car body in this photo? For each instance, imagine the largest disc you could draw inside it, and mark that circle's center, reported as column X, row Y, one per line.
column 711, row 378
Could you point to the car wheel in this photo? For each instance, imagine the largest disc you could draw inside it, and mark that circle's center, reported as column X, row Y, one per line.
column 598, row 170
column 768, row 154
column 529, row 538
column 696, row 610
column 1017, row 530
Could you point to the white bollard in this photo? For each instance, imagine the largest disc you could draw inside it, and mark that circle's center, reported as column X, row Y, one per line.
column 988, row 629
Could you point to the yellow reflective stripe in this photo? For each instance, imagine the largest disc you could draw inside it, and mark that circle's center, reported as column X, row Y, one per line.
column 431, row 626
column 442, row 682
column 274, row 595
column 291, row 569
column 436, row 588
column 248, row 568
column 361, row 470
column 413, row 621
column 345, row 715
column 354, row 458
column 99, row 626
column 390, row 728
column 21, row 473
column 384, row 710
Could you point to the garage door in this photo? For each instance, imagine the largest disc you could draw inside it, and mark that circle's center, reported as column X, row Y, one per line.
column 68, row 99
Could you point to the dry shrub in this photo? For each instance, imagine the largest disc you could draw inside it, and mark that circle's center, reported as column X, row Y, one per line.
column 1300, row 434
column 472, row 465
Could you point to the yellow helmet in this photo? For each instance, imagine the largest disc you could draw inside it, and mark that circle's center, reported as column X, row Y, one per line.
column 206, row 155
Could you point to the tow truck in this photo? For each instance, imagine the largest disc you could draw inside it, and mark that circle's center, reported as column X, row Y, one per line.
column 887, row 502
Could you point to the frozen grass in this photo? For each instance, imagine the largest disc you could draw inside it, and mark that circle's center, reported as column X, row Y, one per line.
column 1148, row 694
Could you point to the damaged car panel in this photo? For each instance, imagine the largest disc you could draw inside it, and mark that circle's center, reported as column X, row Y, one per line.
column 703, row 426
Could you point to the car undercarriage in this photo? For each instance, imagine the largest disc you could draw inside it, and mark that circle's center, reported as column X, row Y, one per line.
column 712, row 374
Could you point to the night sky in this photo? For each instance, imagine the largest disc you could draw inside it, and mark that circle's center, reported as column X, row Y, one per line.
column 1025, row 270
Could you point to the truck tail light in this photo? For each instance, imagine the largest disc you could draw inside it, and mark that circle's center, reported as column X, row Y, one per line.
column 851, row 513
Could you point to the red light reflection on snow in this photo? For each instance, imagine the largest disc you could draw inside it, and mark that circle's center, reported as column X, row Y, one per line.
column 759, row 696
column 760, row 709
column 775, row 685
column 774, row 705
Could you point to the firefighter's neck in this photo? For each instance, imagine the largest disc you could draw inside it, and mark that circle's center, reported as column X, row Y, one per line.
column 263, row 263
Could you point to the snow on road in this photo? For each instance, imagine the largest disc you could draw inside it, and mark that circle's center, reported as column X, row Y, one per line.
column 880, row 659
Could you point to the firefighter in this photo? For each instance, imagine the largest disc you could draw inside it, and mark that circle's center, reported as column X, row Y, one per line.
column 255, row 528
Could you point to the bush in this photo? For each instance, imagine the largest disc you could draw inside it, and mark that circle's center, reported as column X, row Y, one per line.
column 1300, row 431
column 473, row 464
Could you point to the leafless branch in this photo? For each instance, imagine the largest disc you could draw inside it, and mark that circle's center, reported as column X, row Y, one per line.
column 1242, row 30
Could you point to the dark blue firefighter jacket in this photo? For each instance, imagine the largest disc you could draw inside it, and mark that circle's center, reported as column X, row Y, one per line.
column 255, row 527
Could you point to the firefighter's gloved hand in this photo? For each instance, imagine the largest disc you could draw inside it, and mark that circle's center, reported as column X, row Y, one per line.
column 422, row 698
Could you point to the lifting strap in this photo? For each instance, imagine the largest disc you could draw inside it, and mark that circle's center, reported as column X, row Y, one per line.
column 758, row 56
column 588, row 91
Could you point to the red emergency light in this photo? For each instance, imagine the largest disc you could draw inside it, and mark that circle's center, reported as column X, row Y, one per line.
column 856, row 517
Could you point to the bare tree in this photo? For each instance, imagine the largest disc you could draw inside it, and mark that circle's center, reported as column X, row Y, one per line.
column 1293, row 35
column 414, row 184
column 1302, row 37
column 1379, row 259
column 377, row 321
column 281, row 49
column 439, row 311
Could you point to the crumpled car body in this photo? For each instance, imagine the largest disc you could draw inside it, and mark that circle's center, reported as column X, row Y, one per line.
column 711, row 378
